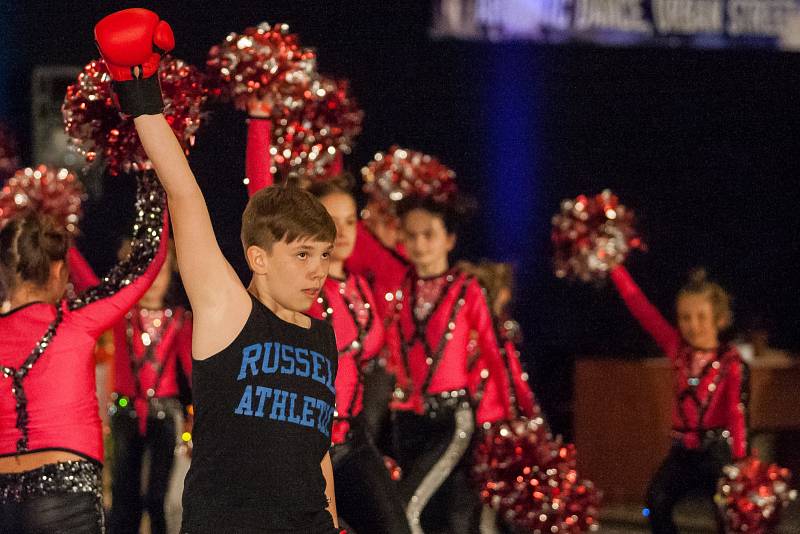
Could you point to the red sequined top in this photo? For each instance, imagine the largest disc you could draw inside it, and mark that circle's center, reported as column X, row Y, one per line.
column 349, row 307
column 60, row 409
column 708, row 404
column 429, row 340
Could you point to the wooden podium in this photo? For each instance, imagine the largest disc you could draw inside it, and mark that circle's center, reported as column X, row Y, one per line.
column 622, row 417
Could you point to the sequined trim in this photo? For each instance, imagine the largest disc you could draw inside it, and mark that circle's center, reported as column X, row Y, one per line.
column 63, row 477
column 150, row 204
column 18, row 375
column 433, row 356
column 464, row 428
column 362, row 316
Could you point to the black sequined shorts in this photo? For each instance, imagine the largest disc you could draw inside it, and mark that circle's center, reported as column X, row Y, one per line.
column 54, row 498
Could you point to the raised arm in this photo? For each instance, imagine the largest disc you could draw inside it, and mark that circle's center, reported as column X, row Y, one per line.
column 98, row 307
column 129, row 41
column 257, row 158
column 219, row 300
column 664, row 334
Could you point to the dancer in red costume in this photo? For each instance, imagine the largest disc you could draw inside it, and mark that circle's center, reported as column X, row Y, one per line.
column 711, row 388
column 152, row 347
column 497, row 281
column 436, row 309
column 366, row 497
column 51, row 446
column 380, row 261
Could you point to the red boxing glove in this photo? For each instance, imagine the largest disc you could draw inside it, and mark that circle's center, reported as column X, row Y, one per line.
column 131, row 42
column 126, row 40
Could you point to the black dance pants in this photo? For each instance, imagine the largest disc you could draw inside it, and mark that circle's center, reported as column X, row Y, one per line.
column 685, row 472
column 434, row 451
column 127, row 503
column 62, row 498
column 367, row 499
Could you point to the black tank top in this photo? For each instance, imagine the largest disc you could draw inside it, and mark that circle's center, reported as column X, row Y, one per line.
column 263, row 413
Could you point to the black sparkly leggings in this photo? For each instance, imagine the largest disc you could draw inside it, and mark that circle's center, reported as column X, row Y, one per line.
column 59, row 498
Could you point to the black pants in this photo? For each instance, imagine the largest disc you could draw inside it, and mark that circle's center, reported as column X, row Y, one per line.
column 129, row 448
column 366, row 497
column 58, row 513
column 57, row 498
column 685, row 472
column 421, row 442
column 321, row 524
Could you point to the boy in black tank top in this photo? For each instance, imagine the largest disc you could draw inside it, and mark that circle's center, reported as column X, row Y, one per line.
column 263, row 373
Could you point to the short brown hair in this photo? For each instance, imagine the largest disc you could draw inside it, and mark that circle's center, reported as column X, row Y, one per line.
column 284, row 212
column 28, row 245
column 720, row 300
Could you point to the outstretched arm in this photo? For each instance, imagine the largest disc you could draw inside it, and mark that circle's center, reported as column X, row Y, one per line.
column 665, row 335
column 215, row 291
column 131, row 41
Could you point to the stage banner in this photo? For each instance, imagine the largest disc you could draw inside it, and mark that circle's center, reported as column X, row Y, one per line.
column 691, row 23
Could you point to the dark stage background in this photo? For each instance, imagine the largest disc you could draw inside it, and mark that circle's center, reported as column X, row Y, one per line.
column 701, row 144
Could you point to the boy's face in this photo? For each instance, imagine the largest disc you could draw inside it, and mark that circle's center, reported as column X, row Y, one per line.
column 293, row 273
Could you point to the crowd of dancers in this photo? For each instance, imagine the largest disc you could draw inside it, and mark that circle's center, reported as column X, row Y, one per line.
column 349, row 385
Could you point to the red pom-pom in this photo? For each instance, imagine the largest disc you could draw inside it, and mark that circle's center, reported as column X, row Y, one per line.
column 591, row 235
column 9, row 161
column 531, row 480
column 307, row 142
column 54, row 192
column 96, row 129
column 266, row 62
column 752, row 494
column 401, row 173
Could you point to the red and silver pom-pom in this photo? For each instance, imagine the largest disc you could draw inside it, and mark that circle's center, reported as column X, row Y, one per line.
column 265, row 62
column 309, row 142
column 9, row 160
column 55, row 192
column 531, row 480
column 752, row 494
column 400, row 173
column 591, row 235
column 96, row 129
